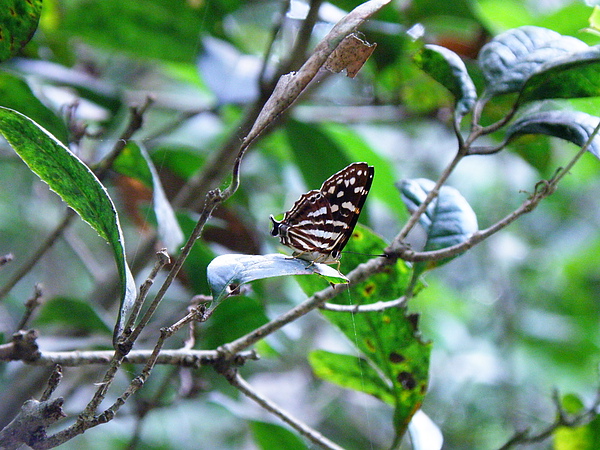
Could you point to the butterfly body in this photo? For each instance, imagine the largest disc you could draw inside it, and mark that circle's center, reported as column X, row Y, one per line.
column 319, row 224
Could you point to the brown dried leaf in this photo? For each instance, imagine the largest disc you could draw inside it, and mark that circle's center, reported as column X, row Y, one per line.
column 351, row 54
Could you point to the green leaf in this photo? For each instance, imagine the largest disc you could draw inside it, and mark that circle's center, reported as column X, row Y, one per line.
column 512, row 57
column 199, row 258
column 449, row 70
column 270, row 436
column 572, row 404
column 16, row 94
column 18, row 22
column 363, row 245
column 383, row 337
column 389, row 339
column 350, row 372
column 574, row 76
column 422, row 10
column 594, row 19
column 357, row 149
column 145, row 29
column 584, row 437
column 135, row 162
column 235, row 269
column 316, row 154
column 75, row 183
column 573, row 126
column 224, row 324
column 448, row 220
column 71, row 313
column 182, row 161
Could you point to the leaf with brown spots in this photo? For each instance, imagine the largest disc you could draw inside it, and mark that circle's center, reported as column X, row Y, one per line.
column 393, row 352
column 18, row 22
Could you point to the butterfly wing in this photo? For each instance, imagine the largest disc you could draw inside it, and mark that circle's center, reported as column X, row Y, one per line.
column 346, row 191
column 308, row 226
column 320, row 223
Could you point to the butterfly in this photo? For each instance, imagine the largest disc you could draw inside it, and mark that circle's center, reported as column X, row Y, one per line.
column 321, row 221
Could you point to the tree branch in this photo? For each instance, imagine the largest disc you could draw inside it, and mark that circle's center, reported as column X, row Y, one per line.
column 311, row 434
column 178, row 357
column 29, row 426
column 563, row 419
column 543, row 189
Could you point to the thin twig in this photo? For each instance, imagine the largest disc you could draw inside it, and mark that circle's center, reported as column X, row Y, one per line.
column 476, row 129
column 398, row 241
column 562, row 419
column 87, row 418
column 30, row 306
column 41, row 250
column 360, row 273
column 212, row 200
column 542, row 190
column 53, row 382
column 163, row 259
column 311, row 434
column 135, row 123
column 281, row 16
column 139, row 381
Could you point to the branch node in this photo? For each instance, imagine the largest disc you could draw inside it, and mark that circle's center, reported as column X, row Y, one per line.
column 30, row 424
column 24, row 346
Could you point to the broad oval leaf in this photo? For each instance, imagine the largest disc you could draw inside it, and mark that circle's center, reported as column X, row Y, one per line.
column 512, row 57
column 448, row 220
column 18, row 22
column 75, row 183
column 235, row 269
column 350, row 372
column 574, row 76
column 398, row 359
column 572, row 126
column 449, row 70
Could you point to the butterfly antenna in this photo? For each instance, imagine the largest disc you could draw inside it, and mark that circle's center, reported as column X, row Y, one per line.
column 382, row 255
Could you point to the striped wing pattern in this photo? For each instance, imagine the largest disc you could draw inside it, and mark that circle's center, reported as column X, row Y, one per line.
column 320, row 223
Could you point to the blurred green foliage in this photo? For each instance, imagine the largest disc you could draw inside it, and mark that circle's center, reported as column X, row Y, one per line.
column 508, row 322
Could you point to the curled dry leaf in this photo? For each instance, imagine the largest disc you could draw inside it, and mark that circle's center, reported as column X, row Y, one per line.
column 351, row 54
